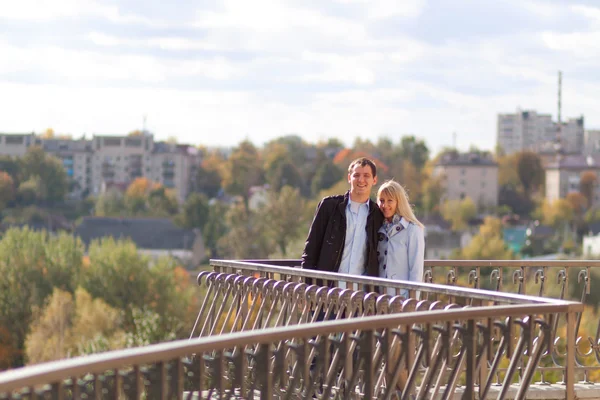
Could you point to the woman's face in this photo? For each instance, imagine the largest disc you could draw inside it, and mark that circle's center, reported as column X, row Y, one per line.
column 387, row 205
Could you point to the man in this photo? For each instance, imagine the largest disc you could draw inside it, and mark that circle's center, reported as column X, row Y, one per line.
column 343, row 234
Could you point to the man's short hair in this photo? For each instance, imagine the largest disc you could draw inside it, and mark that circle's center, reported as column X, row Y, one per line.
column 363, row 162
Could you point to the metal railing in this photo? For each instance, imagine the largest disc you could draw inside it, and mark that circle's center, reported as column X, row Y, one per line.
column 350, row 358
column 547, row 279
column 259, row 336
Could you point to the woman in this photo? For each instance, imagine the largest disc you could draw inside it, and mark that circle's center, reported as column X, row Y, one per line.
column 401, row 249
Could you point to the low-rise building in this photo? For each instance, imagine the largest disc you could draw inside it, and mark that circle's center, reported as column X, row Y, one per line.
column 154, row 237
column 472, row 174
column 563, row 175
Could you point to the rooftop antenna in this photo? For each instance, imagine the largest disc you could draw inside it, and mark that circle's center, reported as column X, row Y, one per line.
column 144, row 124
column 559, row 132
column 454, row 140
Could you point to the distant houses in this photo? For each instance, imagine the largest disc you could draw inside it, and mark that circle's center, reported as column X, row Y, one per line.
column 154, row 237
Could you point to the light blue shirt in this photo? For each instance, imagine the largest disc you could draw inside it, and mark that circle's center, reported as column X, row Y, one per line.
column 355, row 245
column 401, row 250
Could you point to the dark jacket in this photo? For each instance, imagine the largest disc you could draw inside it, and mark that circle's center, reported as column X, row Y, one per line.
column 325, row 243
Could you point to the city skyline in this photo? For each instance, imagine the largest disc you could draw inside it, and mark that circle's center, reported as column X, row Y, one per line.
column 218, row 74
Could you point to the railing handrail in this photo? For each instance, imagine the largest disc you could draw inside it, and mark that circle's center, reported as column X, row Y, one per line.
column 480, row 294
column 164, row 352
column 474, row 263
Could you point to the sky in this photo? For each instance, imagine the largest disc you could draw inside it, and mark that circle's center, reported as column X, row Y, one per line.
column 215, row 73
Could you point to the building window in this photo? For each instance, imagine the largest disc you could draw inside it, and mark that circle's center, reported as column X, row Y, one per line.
column 462, row 171
column 482, row 185
column 462, row 182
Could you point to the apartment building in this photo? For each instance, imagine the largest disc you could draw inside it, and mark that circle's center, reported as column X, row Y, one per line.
column 524, row 130
column 591, row 142
column 472, row 174
column 105, row 160
column 528, row 130
column 76, row 157
column 174, row 166
column 15, row 144
column 572, row 135
column 563, row 175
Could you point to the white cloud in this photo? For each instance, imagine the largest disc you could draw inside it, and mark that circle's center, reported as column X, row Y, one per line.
column 299, row 69
column 46, row 10
column 377, row 9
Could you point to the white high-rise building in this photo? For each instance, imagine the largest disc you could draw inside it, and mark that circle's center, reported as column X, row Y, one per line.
column 525, row 130
column 528, row 130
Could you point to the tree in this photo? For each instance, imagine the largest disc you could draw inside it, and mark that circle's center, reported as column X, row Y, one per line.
column 280, row 169
column 282, row 225
column 50, row 332
column 215, row 227
column 433, row 190
column 7, row 190
column 208, row 176
column 242, row 170
column 414, row 150
column 32, row 264
column 68, row 327
column 507, row 173
column 587, row 186
column 162, row 202
column 459, row 212
column 327, row 175
column 530, row 171
column 110, row 203
column 194, row 213
column 246, row 238
column 49, row 169
column 516, row 200
column 488, row 244
column 12, row 167
column 557, row 213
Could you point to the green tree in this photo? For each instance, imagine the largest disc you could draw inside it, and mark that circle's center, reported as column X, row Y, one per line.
column 110, row 203
column 215, row 227
column 433, row 190
column 208, row 176
column 459, row 212
column 246, row 237
column 414, row 150
column 488, row 243
column 327, row 175
column 194, row 212
column 282, row 224
column 32, row 264
column 242, row 170
column 49, row 169
column 529, row 171
column 31, row 191
column 162, row 202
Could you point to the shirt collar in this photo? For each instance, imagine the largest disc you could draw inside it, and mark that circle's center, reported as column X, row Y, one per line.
column 360, row 205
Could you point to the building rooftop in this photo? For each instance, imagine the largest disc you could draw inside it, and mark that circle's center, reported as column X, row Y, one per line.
column 575, row 161
column 146, row 233
column 452, row 158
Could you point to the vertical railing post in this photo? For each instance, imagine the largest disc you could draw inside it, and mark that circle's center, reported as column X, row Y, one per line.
column 266, row 377
column 471, row 353
column 570, row 361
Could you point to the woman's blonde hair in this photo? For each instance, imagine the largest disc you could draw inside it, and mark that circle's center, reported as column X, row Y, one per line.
column 394, row 190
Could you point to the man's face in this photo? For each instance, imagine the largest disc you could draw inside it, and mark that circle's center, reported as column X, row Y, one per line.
column 361, row 180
